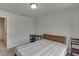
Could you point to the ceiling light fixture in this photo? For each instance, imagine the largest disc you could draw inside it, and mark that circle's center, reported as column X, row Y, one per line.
column 33, row 5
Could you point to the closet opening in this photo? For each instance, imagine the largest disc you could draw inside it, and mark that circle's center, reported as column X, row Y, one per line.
column 3, row 33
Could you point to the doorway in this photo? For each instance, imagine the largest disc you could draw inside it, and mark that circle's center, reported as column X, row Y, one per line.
column 2, row 32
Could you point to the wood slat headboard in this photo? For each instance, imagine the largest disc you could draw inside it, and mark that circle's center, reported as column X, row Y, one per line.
column 61, row 39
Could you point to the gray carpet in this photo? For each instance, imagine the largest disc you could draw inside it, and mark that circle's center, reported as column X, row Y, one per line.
column 5, row 52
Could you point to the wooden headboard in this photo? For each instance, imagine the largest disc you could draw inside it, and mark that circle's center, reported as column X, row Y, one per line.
column 56, row 38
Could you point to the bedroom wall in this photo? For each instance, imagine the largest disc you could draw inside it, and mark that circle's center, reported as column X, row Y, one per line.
column 18, row 28
column 63, row 23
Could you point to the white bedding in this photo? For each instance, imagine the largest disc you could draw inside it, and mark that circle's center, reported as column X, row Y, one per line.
column 42, row 48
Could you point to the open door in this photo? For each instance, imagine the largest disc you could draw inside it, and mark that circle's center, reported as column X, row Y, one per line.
column 2, row 32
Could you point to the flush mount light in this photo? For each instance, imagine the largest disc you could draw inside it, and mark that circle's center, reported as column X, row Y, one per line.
column 33, row 5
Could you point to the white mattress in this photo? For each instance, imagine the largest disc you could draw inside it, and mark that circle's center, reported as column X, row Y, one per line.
column 42, row 48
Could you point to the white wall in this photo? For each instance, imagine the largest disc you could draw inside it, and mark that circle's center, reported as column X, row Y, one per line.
column 63, row 23
column 18, row 29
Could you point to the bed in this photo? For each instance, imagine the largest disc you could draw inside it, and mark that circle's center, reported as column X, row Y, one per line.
column 50, row 45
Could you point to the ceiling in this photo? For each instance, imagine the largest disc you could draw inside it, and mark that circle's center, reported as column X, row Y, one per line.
column 44, row 9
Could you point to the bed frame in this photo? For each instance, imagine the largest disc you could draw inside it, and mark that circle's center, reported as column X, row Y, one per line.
column 61, row 39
